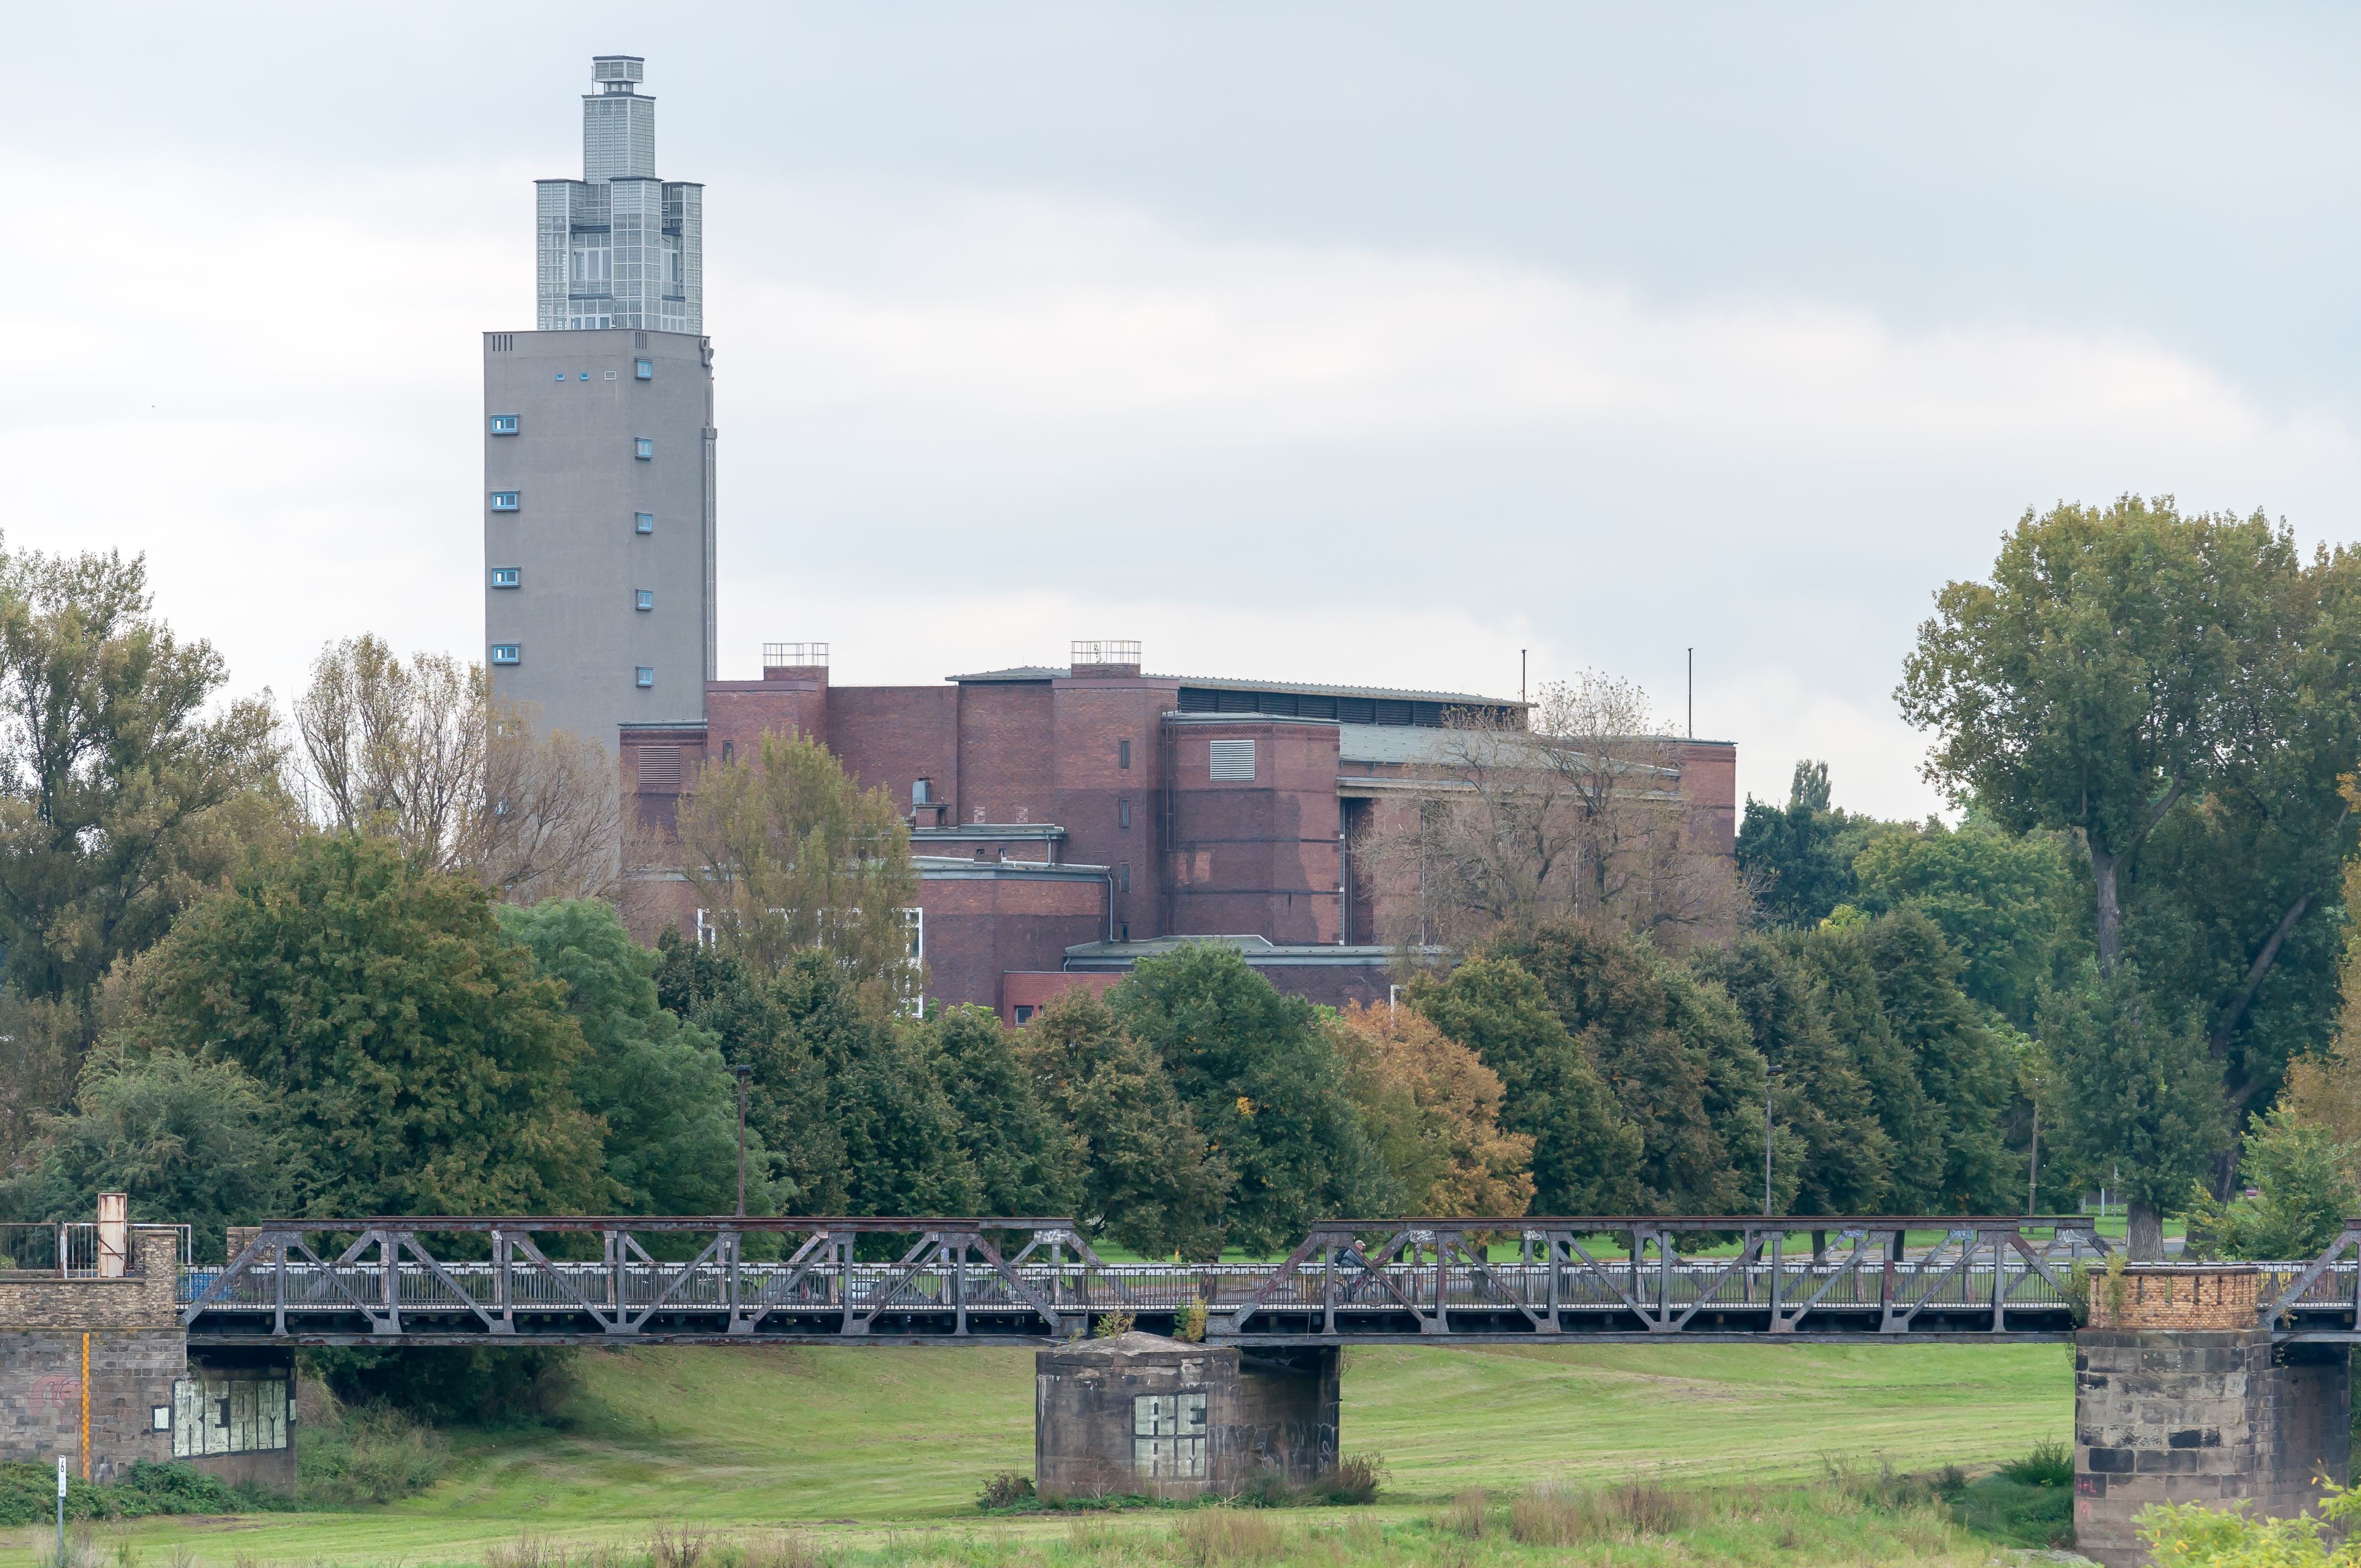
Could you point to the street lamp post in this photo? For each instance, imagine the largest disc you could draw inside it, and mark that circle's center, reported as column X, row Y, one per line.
column 744, row 1072
column 1767, row 1076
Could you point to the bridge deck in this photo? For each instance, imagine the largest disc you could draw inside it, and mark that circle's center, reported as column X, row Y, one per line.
column 440, row 1280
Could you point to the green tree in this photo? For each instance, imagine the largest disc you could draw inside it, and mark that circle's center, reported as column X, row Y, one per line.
column 1792, row 858
column 2005, row 904
column 1677, row 1058
column 2139, row 1108
column 1942, row 1082
column 1586, row 1157
column 415, row 1051
column 1844, row 1164
column 2303, row 1177
column 787, row 855
column 1260, row 1077
column 1022, row 1158
column 2126, row 664
column 193, row 1141
column 793, row 1055
column 852, row 1102
column 1147, row 1178
column 122, row 799
column 667, row 1102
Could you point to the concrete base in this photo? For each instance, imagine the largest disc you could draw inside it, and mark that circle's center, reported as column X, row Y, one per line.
column 1140, row 1415
column 2216, row 1416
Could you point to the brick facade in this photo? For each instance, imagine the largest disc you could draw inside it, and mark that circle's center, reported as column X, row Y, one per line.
column 1106, row 775
column 2178, row 1296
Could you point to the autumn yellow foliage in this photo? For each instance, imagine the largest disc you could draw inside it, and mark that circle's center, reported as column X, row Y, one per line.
column 2325, row 1090
column 1432, row 1109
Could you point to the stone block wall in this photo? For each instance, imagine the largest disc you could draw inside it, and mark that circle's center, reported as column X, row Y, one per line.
column 2216, row 1416
column 1141, row 1415
column 130, row 1330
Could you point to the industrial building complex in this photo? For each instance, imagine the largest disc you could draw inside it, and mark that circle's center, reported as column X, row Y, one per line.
column 1066, row 819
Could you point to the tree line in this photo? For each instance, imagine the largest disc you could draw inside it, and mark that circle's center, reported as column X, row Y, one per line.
column 369, row 962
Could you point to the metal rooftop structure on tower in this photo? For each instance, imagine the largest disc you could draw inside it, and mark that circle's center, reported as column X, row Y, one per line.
column 620, row 247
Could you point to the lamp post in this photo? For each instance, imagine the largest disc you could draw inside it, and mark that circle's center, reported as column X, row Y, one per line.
column 1767, row 1076
column 744, row 1072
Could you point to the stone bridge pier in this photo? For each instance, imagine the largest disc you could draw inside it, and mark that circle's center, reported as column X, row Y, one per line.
column 95, row 1367
column 1142, row 1415
column 2179, row 1397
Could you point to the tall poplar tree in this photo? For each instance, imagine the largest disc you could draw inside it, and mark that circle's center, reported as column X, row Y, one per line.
column 2156, row 684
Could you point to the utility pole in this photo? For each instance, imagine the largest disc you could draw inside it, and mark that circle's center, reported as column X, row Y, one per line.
column 744, row 1072
column 2033, row 1174
column 1767, row 1078
column 1693, row 711
column 1521, row 673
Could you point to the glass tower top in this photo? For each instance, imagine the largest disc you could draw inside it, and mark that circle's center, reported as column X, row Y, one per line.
column 620, row 247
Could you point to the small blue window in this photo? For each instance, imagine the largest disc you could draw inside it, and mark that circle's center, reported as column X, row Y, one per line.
column 561, row 375
column 643, row 449
column 506, row 653
column 643, row 370
column 504, row 500
column 506, row 577
column 585, row 376
column 645, row 599
column 644, row 522
column 647, row 677
column 504, row 424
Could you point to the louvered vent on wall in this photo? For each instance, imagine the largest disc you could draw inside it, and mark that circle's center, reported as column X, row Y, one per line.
column 1233, row 761
column 659, row 767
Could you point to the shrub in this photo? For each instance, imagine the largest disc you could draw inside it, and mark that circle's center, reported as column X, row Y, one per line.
column 1355, row 1479
column 2051, row 1464
column 28, row 1494
column 1191, row 1324
column 1005, row 1490
column 1469, row 1513
column 1112, row 1325
column 375, row 1455
column 1549, row 1515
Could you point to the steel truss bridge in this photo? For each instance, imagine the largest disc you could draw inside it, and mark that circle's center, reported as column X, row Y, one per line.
column 444, row 1280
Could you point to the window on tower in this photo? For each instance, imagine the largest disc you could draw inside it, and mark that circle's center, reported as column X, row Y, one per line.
column 643, row 599
column 593, row 258
column 507, row 577
column 504, row 424
column 504, row 500
column 643, row 448
column 644, row 521
column 507, row 654
column 646, row 677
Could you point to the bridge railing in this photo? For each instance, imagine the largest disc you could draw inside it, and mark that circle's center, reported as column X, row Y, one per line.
column 470, row 1275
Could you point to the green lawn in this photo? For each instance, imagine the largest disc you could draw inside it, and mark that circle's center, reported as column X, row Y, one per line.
column 856, row 1440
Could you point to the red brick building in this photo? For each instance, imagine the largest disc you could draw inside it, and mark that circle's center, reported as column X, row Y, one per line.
column 1066, row 822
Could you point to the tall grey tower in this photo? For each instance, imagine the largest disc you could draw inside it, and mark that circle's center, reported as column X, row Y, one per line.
column 598, row 443
column 619, row 246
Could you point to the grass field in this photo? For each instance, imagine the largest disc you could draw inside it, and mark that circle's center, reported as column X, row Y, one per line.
column 879, row 1448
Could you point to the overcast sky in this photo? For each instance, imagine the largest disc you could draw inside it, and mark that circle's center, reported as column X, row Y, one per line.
column 1353, row 342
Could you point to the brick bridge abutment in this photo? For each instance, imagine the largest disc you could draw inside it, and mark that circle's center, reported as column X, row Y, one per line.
column 2179, row 1397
